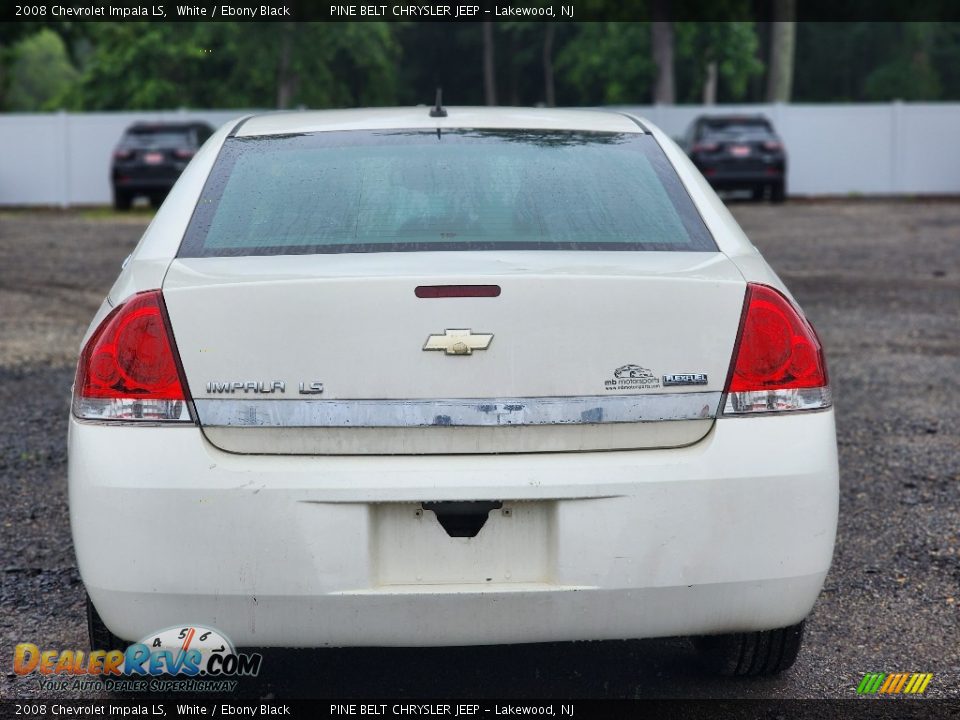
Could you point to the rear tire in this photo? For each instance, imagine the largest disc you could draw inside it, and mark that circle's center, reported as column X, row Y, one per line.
column 757, row 192
column 767, row 652
column 122, row 200
column 778, row 192
column 98, row 634
column 100, row 638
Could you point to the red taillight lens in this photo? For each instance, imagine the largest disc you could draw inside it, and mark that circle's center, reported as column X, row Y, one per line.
column 123, row 154
column 705, row 147
column 778, row 361
column 772, row 145
column 183, row 154
column 129, row 369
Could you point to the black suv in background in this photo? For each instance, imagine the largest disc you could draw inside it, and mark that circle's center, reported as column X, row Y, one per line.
column 736, row 152
column 150, row 157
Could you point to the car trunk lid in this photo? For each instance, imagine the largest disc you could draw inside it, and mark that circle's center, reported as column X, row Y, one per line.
column 331, row 354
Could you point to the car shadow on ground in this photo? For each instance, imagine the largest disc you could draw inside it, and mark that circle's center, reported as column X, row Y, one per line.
column 608, row 669
column 621, row 669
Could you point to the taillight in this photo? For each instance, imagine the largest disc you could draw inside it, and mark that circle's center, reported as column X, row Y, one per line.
column 123, row 154
column 129, row 369
column 778, row 361
column 183, row 154
column 771, row 145
column 705, row 147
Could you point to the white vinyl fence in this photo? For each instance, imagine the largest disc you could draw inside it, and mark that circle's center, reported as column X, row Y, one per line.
column 63, row 159
column 870, row 149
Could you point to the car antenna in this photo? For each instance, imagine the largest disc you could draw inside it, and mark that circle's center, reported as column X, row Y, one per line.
column 438, row 110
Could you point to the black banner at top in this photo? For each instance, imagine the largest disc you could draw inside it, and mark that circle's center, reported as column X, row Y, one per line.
column 470, row 10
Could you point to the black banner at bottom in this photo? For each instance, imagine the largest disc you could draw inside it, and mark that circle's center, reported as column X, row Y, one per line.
column 853, row 709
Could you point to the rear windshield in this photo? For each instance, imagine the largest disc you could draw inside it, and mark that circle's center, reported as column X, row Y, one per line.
column 757, row 127
column 421, row 190
column 157, row 138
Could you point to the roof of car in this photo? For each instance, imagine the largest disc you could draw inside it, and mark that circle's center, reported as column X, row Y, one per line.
column 733, row 117
column 161, row 126
column 419, row 117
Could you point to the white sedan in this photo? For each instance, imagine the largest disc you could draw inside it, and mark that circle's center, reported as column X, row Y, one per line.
column 403, row 377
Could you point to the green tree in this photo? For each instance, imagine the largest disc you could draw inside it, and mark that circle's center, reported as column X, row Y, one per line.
column 314, row 65
column 731, row 46
column 909, row 74
column 10, row 33
column 527, row 57
column 877, row 61
column 40, row 74
column 945, row 59
column 266, row 65
column 607, row 63
column 258, row 65
column 140, row 66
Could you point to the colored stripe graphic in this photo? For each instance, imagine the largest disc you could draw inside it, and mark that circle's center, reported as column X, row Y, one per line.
column 890, row 683
column 894, row 683
column 919, row 682
column 866, row 685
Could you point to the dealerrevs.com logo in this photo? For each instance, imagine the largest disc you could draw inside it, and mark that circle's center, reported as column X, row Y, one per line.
column 185, row 658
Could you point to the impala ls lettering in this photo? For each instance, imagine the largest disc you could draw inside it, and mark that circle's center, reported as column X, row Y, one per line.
column 263, row 388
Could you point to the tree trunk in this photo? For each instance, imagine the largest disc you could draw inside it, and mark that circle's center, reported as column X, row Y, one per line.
column 489, row 65
column 758, row 81
column 662, row 40
column 549, row 89
column 710, row 84
column 286, row 80
column 783, row 35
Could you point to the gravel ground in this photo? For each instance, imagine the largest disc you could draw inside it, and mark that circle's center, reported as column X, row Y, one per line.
column 880, row 280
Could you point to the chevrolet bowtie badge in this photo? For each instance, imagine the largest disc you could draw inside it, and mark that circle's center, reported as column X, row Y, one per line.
column 458, row 342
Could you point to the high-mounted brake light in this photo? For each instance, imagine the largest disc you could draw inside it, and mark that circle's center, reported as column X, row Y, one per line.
column 778, row 361
column 456, row 291
column 129, row 369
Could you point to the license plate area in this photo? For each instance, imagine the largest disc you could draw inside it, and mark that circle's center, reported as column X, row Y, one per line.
column 411, row 546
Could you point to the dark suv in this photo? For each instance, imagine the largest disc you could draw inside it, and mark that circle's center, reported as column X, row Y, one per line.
column 150, row 157
column 737, row 152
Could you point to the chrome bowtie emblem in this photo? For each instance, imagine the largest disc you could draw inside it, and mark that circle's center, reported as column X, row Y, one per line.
column 458, row 342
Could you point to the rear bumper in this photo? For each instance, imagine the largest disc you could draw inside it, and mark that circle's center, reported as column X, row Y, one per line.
column 732, row 175
column 734, row 533
column 133, row 182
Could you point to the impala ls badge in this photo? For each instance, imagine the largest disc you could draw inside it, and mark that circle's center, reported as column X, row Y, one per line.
column 458, row 342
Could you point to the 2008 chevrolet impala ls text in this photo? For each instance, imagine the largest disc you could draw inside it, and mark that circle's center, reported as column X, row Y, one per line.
column 452, row 376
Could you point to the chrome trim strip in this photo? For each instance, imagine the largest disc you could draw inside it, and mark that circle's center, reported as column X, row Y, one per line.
column 584, row 410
